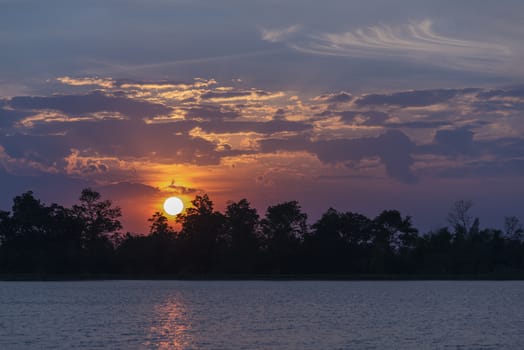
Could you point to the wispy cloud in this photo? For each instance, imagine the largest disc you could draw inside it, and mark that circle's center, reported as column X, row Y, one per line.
column 278, row 34
column 102, row 82
column 415, row 41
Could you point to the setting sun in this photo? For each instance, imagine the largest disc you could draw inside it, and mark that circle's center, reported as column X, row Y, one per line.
column 173, row 206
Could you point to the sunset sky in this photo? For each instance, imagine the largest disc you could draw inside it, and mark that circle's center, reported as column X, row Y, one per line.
column 357, row 105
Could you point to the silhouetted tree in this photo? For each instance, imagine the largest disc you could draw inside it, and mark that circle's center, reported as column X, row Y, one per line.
column 459, row 217
column 284, row 227
column 433, row 252
column 160, row 225
column 154, row 253
column 40, row 238
column 391, row 234
column 327, row 244
column 24, row 234
column 241, row 236
column 394, row 230
column 513, row 228
column 100, row 220
column 100, row 227
column 201, row 229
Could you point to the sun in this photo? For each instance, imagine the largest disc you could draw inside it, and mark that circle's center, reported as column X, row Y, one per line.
column 173, row 206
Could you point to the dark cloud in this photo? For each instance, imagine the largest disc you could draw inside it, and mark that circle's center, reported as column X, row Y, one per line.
column 497, row 105
column 225, row 94
column 451, row 143
column 370, row 117
column 505, row 154
column 458, row 140
column 421, row 124
column 339, row 97
column 295, row 143
column 268, row 127
column 48, row 187
column 347, row 116
column 417, row 98
column 514, row 92
column 394, row 149
column 93, row 102
column 279, row 114
column 49, row 144
column 211, row 112
column 8, row 117
column 177, row 189
column 47, row 150
column 326, row 113
column 504, row 147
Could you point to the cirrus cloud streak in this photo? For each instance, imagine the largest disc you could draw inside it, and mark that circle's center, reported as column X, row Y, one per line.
column 416, row 41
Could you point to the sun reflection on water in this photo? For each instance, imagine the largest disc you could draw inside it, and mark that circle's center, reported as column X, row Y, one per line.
column 170, row 327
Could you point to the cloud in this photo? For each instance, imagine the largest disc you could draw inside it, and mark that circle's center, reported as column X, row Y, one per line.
column 91, row 103
column 45, row 186
column 210, row 112
column 51, row 144
column 394, row 149
column 197, row 83
column 236, row 95
column 421, row 124
column 269, row 127
column 178, row 189
column 226, row 95
column 103, row 136
column 278, row 34
column 101, row 82
column 514, row 92
column 455, row 141
column 8, row 117
column 338, row 97
column 363, row 117
column 415, row 41
column 416, row 98
column 474, row 158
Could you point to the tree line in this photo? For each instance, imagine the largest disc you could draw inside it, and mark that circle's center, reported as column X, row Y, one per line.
column 87, row 238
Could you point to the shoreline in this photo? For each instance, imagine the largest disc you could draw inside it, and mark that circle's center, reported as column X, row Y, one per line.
column 21, row 277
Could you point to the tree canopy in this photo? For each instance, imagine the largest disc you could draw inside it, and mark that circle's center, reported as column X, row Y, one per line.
column 88, row 238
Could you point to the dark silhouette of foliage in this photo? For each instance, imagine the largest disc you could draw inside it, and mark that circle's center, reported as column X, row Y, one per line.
column 202, row 228
column 329, row 243
column 99, row 217
column 86, row 238
column 40, row 238
column 99, row 228
column 241, row 237
column 149, row 254
column 513, row 228
column 459, row 217
column 283, row 228
column 160, row 225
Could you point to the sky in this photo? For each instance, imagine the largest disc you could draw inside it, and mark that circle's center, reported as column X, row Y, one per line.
column 357, row 105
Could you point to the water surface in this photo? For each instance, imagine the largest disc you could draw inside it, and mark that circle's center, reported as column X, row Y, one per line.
column 262, row 315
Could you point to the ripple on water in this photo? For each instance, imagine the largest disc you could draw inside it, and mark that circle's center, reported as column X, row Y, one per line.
column 261, row 315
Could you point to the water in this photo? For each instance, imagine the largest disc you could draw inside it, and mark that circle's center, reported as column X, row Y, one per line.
column 261, row 315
